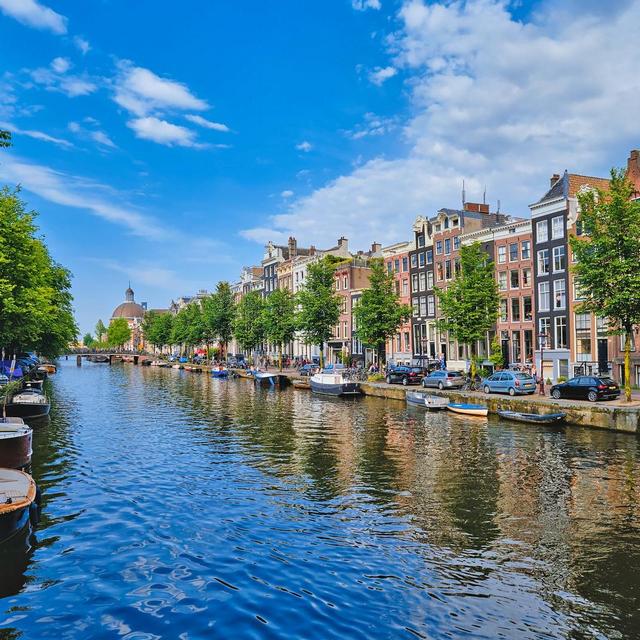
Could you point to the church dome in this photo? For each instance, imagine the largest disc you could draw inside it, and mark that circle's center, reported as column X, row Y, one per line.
column 130, row 308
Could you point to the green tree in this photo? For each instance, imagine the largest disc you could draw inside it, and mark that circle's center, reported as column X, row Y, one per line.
column 118, row 332
column 608, row 259
column 5, row 138
column 496, row 357
column 379, row 313
column 188, row 327
column 218, row 312
column 248, row 325
column 101, row 330
column 35, row 298
column 319, row 305
column 279, row 319
column 469, row 306
column 88, row 340
column 164, row 329
column 150, row 328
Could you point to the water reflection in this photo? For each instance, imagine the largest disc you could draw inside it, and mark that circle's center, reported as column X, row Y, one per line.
column 173, row 500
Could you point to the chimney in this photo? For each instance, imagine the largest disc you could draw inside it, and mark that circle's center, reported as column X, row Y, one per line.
column 476, row 207
column 376, row 247
column 633, row 169
column 312, row 250
column 554, row 178
column 293, row 246
column 343, row 243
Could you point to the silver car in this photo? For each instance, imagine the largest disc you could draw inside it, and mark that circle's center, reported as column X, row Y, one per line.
column 444, row 380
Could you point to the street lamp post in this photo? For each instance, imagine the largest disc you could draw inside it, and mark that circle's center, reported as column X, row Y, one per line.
column 542, row 338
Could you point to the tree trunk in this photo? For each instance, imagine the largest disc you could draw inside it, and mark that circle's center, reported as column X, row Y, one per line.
column 280, row 357
column 627, row 367
column 321, row 356
column 472, row 371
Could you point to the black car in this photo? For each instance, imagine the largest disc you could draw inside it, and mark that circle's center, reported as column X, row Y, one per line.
column 405, row 375
column 590, row 388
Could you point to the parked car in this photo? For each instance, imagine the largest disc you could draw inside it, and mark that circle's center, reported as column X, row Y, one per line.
column 405, row 375
column 307, row 369
column 443, row 379
column 590, row 388
column 511, row 382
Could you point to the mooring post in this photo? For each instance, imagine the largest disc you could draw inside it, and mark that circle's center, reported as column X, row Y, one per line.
column 79, row 361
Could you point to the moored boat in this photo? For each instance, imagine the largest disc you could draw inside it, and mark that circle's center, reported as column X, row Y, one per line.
column 220, row 373
column 301, row 384
column 15, row 443
column 425, row 401
column 28, row 403
column 48, row 367
column 18, row 502
column 468, row 409
column 334, row 384
column 533, row 418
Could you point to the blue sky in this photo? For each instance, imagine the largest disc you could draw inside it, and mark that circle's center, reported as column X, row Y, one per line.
column 165, row 143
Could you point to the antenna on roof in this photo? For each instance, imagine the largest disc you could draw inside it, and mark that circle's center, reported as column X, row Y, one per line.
column 498, row 211
column 464, row 197
column 484, row 195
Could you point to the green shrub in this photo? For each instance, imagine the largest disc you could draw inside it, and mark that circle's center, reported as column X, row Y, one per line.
column 562, row 378
column 375, row 377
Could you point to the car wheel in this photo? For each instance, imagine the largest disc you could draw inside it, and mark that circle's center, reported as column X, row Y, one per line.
column 592, row 396
column 486, row 389
column 440, row 386
column 512, row 391
column 388, row 379
column 405, row 381
column 555, row 394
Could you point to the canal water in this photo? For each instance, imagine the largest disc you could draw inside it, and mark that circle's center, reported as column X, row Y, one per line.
column 179, row 506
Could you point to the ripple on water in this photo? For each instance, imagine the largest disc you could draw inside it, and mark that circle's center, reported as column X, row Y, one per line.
column 176, row 505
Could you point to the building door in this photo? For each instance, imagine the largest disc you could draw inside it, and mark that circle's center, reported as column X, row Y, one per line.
column 505, row 352
column 603, row 356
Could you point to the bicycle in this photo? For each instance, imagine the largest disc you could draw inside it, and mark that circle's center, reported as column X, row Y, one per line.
column 472, row 385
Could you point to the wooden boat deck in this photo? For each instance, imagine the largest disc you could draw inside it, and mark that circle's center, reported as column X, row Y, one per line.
column 17, row 490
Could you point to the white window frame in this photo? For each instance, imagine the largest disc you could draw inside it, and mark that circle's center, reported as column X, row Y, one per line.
column 557, row 221
column 544, row 307
column 540, row 225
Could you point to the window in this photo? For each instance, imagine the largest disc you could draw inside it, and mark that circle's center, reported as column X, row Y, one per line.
column 583, row 337
column 405, row 264
column 429, row 279
column 526, row 277
column 421, row 241
column 421, row 259
column 398, row 343
column 456, row 243
column 557, row 227
column 396, row 264
column 515, row 309
column 344, row 329
column 405, row 288
column 415, row 305
column 544, row 325
column 431, row 305
column 397, row 287
column 456, row 266
column 407, row 346
column 438, row 247
column 502, row 280
column 429, row 256
column 447, row 246
column 543, row 296
column 423, row 306
column 414, row 283
column 345, row 282
column 578, row 294
column 414, row 260
column 504, row 310
column 502, row 255
column 561, row 332
column 446, row 223
column 517, row 347
column 423, row 281
column 542, row 231
column 513, row 252
column 559, row 294
column 439, row 270
column 438, row 228
column 527, row 309
column 558, row 258
column 389, row 267
column 514, row 279
column 543, row 262
column 338, row 283
column 447, row 270
column 526, row 250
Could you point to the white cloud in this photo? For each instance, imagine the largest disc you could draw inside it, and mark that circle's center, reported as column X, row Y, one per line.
column 36, row 135
column 78, row 193
column 163, row 132
column 287, row 193
column 142, row 92
column 60, row 65
column 363, row 5
column 373, row 125
column 304, row 146
column 34, row 14
column 207, row 124
column 102, row 138
column 380, row 74
column 83, row 45
column 495, row 101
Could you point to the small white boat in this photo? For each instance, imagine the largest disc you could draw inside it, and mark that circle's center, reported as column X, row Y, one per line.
column 17, row 502
column 334, row 384
column 15, row 443
column 468, row 409
column 157, row 363
column 433, row 403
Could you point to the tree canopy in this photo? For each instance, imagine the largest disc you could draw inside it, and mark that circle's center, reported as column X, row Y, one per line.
column 100, row 330
column 379, row 313
column 608, row 257
column 118, row 332
column 218, row 312
column 319, row 304
column 35, row 291
column 279, row 319
column 469, row 306
column 248, row 324
column 88, row 340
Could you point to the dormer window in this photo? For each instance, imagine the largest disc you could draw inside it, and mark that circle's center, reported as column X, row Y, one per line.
column 454, row 222
column 438, row 228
